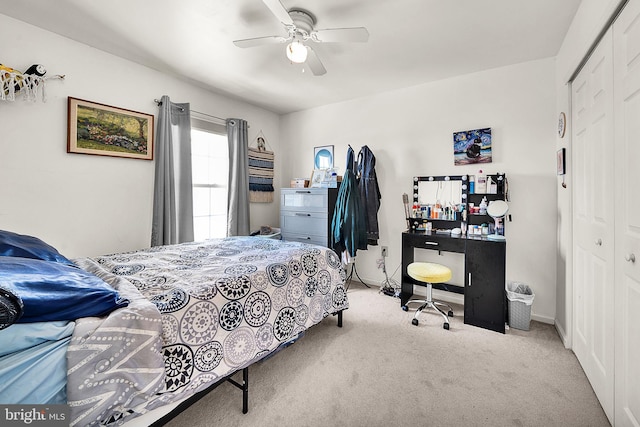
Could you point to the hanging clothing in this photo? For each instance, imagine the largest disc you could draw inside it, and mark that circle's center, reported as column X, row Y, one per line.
column 348, row 233
column 369, row 193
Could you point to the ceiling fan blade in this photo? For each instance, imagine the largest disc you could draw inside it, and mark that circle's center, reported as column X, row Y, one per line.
column 259, row 41
column 279, row 11
column 314, row 63
column 355, row 34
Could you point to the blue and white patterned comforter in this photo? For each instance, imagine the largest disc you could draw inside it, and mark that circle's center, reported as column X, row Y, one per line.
column 198, row 312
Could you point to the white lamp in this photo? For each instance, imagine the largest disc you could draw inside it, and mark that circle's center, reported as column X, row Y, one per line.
column 297, row 52
column 497, row 209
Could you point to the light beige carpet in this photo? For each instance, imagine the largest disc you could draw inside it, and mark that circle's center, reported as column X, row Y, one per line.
column 380, row 370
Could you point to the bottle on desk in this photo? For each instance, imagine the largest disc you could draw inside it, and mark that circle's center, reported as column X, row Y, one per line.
column 492, row 186
column 483, row 206
column 481, row 184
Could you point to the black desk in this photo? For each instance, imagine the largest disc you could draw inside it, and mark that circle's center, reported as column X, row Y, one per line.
column 485, row 302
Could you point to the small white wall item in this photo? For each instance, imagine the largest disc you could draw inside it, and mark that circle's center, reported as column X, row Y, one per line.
column 29, row 85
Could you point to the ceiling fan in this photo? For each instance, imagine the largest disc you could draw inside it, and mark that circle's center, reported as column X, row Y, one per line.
column 299, row 24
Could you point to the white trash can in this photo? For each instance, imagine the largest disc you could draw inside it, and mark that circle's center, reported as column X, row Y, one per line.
column 520, row 298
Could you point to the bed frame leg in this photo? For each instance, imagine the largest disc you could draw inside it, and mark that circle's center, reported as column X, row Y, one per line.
column 245, row 390
column 244, row 387
column 340, row 319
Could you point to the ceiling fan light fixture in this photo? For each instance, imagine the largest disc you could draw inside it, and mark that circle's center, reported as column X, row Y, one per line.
column 297, row 52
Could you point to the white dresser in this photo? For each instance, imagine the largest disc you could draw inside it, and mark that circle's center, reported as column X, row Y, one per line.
column 306, row 214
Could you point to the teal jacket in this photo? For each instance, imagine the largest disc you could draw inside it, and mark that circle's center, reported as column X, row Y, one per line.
column 348, row 227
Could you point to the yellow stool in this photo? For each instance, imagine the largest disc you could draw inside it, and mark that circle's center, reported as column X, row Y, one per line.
column 427, row 273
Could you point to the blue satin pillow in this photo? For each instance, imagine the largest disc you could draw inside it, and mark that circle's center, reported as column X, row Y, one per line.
column 20, row 245
column 53, row 291
column 11, row 306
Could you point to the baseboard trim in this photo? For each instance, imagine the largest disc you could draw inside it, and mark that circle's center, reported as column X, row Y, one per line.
column 543, row 319
column 563, row 336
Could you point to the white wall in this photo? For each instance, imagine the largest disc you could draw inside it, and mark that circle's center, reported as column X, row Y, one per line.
column 90, row 205
column 590, row 19
column 410, row 133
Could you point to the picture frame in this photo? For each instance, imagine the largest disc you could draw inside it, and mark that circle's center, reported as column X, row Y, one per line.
column 317, row 178
column 323, row 157
column 561, row 167
column 104, row 130
column 472, row 146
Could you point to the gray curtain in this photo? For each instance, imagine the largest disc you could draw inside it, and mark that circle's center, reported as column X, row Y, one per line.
column 172, row 192
column 238, row 198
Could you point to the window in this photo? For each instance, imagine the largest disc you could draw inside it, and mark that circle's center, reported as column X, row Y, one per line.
column 210, row 174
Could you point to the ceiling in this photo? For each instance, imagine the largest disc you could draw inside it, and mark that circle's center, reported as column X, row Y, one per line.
column 411, row 41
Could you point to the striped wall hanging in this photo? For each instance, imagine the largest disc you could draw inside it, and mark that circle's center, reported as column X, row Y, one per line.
column 260, row 175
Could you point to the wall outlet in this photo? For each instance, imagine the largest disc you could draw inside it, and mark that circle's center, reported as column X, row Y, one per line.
column 384, row 250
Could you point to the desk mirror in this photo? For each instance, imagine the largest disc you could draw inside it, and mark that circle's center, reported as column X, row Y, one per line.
column 447, row 190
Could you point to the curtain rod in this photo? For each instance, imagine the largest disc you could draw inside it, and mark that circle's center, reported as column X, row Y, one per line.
column 158, row 102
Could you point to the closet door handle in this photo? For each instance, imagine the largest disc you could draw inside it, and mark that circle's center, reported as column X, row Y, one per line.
column 630, row 258
column 598, row 242
column 469, row 279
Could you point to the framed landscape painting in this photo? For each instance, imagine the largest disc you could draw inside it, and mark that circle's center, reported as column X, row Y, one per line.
column 103, row 130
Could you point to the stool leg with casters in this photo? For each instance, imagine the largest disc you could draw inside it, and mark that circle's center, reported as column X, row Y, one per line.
column 430, row 303
column 436, row 273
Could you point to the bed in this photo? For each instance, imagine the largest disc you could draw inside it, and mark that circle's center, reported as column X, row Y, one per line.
column 169, row 322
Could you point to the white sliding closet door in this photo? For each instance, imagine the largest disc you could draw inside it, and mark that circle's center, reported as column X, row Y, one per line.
column 626, row 34
column 593, row 221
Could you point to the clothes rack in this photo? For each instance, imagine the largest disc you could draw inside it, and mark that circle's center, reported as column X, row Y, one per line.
column 353, row 271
